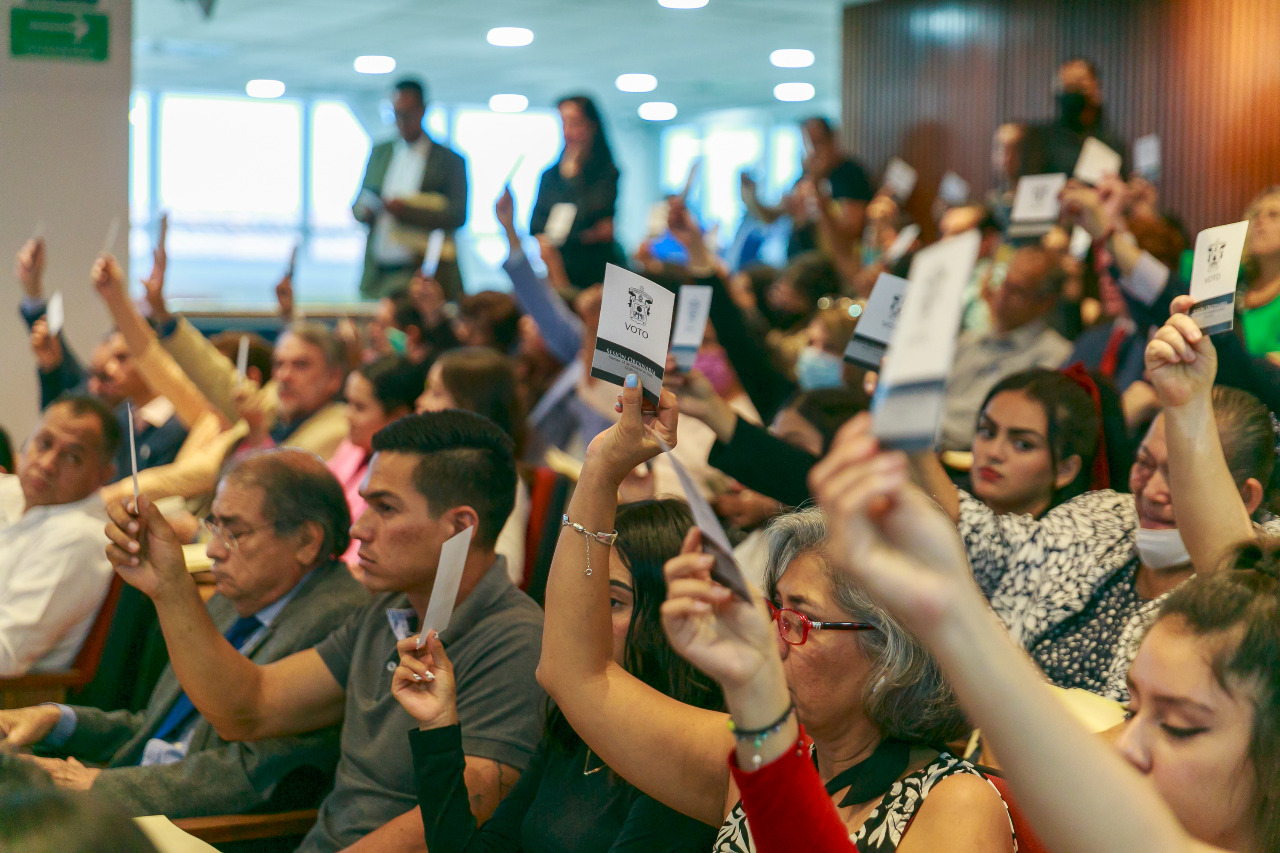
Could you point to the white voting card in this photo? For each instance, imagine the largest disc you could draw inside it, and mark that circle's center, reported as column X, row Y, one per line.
column 293, row 260
column 1096, row 162
column 133, row 453
column 658, row 216
column 953, row 189
column 1035, row 199
column 900, row 178
column 444, row 593
column 1213, row 276
column 1081, row 240
column 691, row 179
column 693, row 307
column 560, row 221
column 515, row 167
column 37, row 233
column 875, row 326
column 113, row 231
column 912, row 389
column 1146, row 157
column 714, row 541
column 901, row 244
column 635, row 326
column 431, row 258
column 242, row 356
column 55, row 314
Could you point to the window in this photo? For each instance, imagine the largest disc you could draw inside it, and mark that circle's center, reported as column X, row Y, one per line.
column 729, row 151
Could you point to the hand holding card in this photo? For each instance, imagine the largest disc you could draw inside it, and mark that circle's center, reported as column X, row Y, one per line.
column 444, row 594
column 1214, row 273
column 635, row 326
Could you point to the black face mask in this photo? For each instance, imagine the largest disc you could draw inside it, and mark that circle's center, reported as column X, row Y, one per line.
column 1071, row 107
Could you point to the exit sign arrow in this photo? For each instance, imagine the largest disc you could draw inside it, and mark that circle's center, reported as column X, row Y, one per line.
column 59, row 35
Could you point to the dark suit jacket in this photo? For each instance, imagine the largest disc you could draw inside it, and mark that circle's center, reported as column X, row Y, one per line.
column 446, row 173
column 218, row 777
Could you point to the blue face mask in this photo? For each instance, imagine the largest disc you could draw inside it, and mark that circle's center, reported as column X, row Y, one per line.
column 816, row 368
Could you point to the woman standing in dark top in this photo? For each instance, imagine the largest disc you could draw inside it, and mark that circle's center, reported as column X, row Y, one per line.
column 568, row 799
column 585, row 176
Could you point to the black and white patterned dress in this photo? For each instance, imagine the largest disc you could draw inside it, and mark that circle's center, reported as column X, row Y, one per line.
column 883, row 829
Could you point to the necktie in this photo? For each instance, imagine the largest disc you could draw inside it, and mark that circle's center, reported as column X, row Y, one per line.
column 182, row 709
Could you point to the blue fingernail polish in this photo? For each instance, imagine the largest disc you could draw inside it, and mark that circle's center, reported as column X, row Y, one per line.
column 632, row 380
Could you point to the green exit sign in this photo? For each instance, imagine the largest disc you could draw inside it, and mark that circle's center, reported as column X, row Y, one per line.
column 58, row 35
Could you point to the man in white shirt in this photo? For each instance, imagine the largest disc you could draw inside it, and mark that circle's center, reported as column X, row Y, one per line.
column 54, row 571
column 412, row 186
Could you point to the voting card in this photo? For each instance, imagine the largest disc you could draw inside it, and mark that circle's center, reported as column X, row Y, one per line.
column 560, row 222
column 659, row 215
column 515, row 167
column 55, row 314
column 953, row 189
column 242, row 357
column 1035, row 204
column 133, row 452
column 1213, row 276
column 37, row 233
column 444, row 592
column 113, row 231
column 691, row 179
column 693, row 307
column 726, row 571
column 1096, row 162
column 900, row 178
column 909, row 399
column 635, row 325
column 1081, row 240
column 293, row 260
column 435, row 247
column 875, row 326
column 901, row 244
column 1146, row 157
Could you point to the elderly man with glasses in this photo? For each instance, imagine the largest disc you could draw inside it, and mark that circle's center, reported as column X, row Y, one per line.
column 279, row 526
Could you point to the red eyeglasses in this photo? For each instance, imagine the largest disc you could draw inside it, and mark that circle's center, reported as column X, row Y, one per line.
column 794, row 626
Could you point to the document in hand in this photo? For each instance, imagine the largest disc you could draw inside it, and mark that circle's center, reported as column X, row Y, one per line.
column 908, row 403
column 714, row 541
column 953, row 189
column 900, row 178
column 1035, row 204
column 1096, row 162
column 242, row 357
column 431, row 258
column 635, row 326
column 1146, row 157
column 875, row 326
column 560, row 222
column 55, row 314
column 692, row 310
column 1213, row 276
column 905, row 240
column 444, row 593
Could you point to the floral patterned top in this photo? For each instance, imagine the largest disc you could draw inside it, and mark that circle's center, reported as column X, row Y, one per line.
column 883, row 829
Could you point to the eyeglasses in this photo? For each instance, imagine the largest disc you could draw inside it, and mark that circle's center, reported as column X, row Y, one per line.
column 794, row 626
column 225, row 536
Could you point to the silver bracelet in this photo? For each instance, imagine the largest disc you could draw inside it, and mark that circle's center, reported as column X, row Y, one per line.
column 603, row 538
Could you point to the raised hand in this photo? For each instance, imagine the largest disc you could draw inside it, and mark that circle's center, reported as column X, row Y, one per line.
column 153, row 284
column 727, row 638
column 1181, row 360
column 284, row 296
column 21, row 727
column 107, row 278
column 637, row 437
column 253, row 405
column 29, row 268
column 144, row 548
column 698, row 399
column 505, row 210
column 886, row 532
column 46, row 347
column 424, row 684
column 428, row 297
column 1084, row 206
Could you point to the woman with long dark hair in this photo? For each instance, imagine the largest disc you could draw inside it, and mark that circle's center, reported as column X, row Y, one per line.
column 585, row 176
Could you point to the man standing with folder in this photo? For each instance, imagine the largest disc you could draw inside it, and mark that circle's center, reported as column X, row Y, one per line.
column 412, row 186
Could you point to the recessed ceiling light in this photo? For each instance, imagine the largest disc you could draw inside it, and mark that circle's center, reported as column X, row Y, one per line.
column 508, row 103
column 657, row 111
column 793, row 91
column 510, row 36
column 375, row 64
column 264, row 88
column 636, row 83
column 792, row 57
column 682, row 4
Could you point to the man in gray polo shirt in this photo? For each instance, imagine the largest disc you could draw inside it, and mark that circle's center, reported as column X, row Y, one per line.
column 432, row 476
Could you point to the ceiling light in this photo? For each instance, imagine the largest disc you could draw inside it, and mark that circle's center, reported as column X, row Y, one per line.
column 657, row 111
column 508, row 103
column 793, row 91
column 509, row 36
column 375, row 64
column 682, row 4
column 636, row 83
column 264, row 88
column 792, row 57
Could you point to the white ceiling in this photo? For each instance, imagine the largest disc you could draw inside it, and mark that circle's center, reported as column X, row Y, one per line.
column 705, row 59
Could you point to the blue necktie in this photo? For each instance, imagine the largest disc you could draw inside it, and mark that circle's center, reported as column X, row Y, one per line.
column 182, row 709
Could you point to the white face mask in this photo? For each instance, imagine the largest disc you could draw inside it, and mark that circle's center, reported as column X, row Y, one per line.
column 1161, row 549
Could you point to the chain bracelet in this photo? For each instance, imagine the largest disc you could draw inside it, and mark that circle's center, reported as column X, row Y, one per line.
column 601, row 537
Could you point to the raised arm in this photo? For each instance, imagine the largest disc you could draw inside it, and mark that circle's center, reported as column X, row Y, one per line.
column 241, row 700
column 1207, row 504
column 1080, row 795
column 669, row 750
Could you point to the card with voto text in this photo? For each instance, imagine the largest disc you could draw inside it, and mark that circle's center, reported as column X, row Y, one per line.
column 1035, row 204
column 1213, row 276
column 635, row 326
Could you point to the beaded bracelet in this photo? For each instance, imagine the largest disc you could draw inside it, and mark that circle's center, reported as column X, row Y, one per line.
column 759, row 736
column 602, row 537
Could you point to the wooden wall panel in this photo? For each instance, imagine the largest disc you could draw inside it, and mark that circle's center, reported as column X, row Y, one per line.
column 930, row 82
